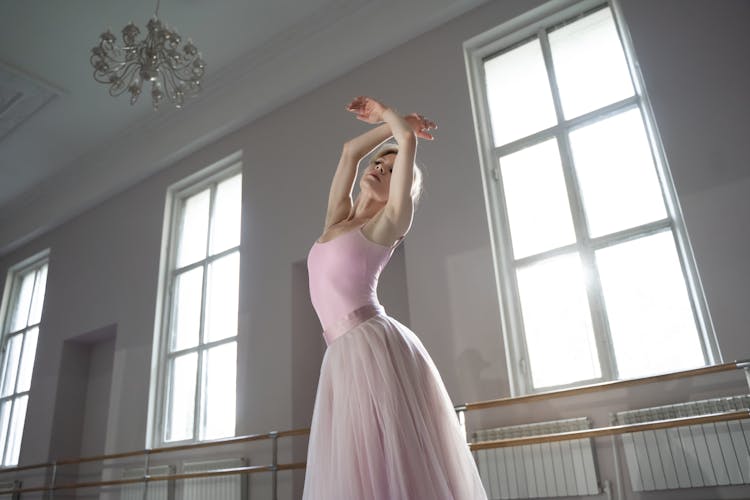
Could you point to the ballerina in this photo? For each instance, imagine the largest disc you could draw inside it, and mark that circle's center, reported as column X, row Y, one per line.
column 383, row 425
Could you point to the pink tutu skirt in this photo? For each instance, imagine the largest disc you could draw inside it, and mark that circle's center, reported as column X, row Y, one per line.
column 383, row 427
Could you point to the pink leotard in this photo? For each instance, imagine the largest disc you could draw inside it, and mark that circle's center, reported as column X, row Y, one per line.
column 343, row 274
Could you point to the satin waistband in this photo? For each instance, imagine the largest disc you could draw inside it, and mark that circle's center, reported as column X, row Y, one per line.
column 351, row 320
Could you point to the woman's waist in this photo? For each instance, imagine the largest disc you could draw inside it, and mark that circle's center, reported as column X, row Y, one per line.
column 331, row 305
column 334, row 329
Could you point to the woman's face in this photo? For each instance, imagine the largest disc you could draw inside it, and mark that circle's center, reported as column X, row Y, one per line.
column 377, row 177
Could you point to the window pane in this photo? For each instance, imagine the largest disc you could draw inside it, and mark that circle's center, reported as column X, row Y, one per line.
column 16, row 431
column 38, row 299
column 650, row 316
column 10, row 364
column 20, row 312
column 222, row 298
column 5, row 408
column 590, row 65
column 220, row 392
column 225, row 228
column 193, row 229
column 27, row 360
column 616, row 173
column 181, row 398
column 186, row 315
column 518, row 93
column 557, row 322
column 536, row 199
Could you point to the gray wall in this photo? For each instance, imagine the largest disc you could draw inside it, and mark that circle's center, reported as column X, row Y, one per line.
column 104, row 264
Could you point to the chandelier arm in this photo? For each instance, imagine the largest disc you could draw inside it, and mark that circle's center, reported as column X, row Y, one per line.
column 112, row 52
column 116, row 56
column 181, row 68
column 169, row 83
column 178, row 90
column 102, row 76
column 165, row 87
column 126, row 79
column 170, row 61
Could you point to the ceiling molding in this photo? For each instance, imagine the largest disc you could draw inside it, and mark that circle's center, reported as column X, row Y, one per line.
column 21, row 96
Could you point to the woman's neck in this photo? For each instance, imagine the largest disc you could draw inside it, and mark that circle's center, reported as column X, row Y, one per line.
column 365, row 208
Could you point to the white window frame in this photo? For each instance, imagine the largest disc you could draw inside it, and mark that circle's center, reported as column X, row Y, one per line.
column 11, row 283
column 211, row 175
column 535, row 23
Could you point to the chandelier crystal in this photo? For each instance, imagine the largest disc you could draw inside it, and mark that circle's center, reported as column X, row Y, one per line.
column 173, row 73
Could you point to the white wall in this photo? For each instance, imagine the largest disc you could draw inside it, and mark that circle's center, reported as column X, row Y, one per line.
column 104, row 264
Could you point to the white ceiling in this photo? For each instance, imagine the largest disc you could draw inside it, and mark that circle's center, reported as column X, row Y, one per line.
column 77, row 149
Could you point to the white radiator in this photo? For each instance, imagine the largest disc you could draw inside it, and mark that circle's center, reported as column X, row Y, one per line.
column 229, row 487
column 157, row 490
column 716, row 454
column 540, row 470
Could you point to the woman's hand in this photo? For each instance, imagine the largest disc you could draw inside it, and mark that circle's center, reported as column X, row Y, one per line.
column 421, row 125
column 367, row 109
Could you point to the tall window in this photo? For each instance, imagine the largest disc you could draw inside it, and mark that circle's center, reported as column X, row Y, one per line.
column 595, row 273
column 22, row 306
column 198, row 335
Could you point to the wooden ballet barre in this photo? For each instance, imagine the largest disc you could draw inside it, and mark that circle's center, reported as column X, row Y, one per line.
column 744, row 364
column 612, row 430
column 148, row 479
column 604, row 386
column 170, row 449
column 500, row 443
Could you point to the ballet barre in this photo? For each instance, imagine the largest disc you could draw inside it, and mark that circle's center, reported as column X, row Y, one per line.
column 461, row 410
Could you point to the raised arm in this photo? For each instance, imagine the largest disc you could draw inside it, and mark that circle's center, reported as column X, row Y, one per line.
column 399, row 209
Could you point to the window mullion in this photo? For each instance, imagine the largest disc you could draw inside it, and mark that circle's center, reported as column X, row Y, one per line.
column 23, row 339
column 33, row 294
column 209, row 345
column 20, row 362
column 199, row 350
column 602, row 334
column 201, row 328
column 599, row 321
column 631, row 234
column 567, row 125
column 208, row 260
column 198, row 395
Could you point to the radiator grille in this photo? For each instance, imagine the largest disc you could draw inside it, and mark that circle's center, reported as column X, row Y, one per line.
column 157, row 490
column 230, row 487
column 716, row 454
column 539, row 470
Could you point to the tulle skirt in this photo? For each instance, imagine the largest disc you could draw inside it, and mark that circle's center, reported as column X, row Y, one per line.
column 383, row 427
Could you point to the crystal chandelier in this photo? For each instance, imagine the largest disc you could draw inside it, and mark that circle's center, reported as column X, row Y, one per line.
column 155, row 59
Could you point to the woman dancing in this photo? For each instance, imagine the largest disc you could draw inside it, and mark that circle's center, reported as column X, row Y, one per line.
column 383, row 426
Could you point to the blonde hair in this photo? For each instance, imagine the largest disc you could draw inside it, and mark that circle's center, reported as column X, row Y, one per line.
column 417, row 178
